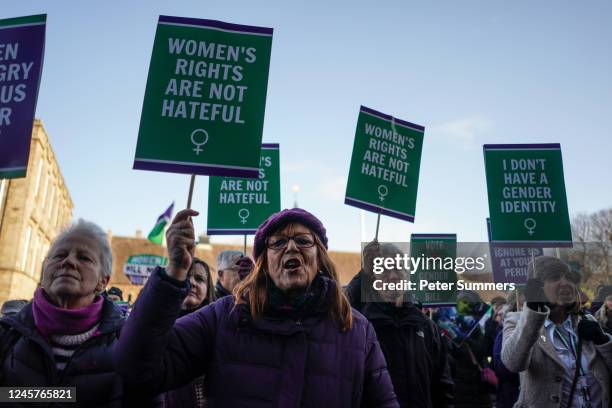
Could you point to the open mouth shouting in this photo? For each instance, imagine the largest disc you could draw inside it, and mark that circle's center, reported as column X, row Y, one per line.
column 292, row 264
column 566, row 293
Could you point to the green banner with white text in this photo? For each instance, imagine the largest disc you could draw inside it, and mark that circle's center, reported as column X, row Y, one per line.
column 384, row 172
column 204, row 105
column 236, row 206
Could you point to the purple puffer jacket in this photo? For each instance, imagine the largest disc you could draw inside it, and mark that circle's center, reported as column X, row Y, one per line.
column 263, row 363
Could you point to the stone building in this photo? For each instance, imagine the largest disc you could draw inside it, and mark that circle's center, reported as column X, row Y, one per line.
column 33, row 210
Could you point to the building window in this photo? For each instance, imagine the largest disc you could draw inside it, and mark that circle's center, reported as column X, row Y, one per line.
column 26, row 247
column 58, row 206
column 38, row 176
column 51, row 202
column 33, row 255
column 43, row 202
column 45, row 249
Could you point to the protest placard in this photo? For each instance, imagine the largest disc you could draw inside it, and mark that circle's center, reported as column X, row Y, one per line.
column 204, row 103
column 238, row 206
column 22, row 46
column 139, row 267
column 384, row 172
column 437, row 253
column 527, row 200
column 510, row 263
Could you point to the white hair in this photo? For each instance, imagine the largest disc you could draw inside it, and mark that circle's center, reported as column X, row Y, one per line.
column 94, row 231
column 226, row 259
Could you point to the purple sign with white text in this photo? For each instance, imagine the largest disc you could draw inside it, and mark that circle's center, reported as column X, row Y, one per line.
column 22, row 44
column 509, row 263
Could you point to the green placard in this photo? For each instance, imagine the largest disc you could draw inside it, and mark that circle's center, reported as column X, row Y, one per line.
column 384, row 173
column 527, row 200
column 204, row 104
column 437, row 253
column 237, row 206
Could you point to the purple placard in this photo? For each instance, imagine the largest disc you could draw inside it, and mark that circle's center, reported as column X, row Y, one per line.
column 509, row 263
column 21, row 58
column 216, row 24
column 390, row 118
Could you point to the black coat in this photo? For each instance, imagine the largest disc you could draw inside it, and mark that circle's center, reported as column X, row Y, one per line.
column 27, row 361
column 416, row 355
column 470, row 390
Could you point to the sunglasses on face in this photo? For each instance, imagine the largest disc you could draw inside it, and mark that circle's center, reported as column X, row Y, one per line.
column 302, row 241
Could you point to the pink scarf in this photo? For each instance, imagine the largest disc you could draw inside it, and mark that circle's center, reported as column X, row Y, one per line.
column 52, row 320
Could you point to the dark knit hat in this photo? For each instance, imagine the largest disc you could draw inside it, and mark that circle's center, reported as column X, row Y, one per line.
column 245, row 267
column 115, row 291
column 282, row 218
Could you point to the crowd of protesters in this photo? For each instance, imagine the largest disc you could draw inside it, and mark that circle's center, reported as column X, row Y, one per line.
column 278, row 330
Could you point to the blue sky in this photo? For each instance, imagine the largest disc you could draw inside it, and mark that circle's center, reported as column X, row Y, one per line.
column 471, row 72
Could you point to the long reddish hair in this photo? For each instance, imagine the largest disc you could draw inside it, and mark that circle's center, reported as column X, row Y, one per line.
column 253, row 290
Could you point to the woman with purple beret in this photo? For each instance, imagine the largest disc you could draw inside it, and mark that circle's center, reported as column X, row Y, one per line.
column 287, row 338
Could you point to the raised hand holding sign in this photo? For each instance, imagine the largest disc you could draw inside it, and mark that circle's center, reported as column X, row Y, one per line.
column 180, row 237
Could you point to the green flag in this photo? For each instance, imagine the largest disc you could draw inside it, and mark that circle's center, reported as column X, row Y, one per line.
column 157, row 233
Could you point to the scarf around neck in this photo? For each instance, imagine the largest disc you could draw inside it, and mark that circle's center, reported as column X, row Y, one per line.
column 311, row 303
column 52, row 320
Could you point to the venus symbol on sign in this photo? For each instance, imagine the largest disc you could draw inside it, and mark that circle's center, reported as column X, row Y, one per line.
column 199, row 144
column 243, row 213
column 530, row 224
column 382, row 191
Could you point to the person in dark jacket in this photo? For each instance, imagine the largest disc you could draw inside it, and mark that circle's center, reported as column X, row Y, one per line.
column 200, row 295
column 493, row 325
column 469, row 354
column 287, row 338
column 66, row 335
column 12, row 307
column 413, row 347
column 232, row 268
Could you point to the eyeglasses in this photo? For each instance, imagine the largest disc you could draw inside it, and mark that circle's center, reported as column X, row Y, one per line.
column 302, row 241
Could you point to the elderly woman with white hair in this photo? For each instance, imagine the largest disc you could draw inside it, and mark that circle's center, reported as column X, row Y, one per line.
column 66, row 335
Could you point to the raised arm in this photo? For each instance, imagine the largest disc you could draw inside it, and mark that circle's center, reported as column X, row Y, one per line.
column 521, row 332
column 155, row 351
column 522, row 329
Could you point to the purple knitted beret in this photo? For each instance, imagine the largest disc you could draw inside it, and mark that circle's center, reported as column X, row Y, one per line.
column 280, row 219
